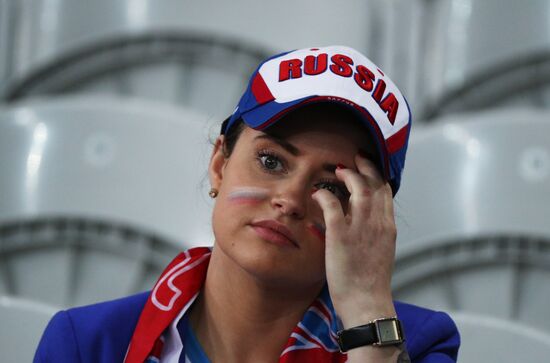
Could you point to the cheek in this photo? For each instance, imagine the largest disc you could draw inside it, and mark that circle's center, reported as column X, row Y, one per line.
column 247, row 195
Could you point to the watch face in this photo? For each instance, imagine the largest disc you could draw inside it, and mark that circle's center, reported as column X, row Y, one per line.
column 388, row 331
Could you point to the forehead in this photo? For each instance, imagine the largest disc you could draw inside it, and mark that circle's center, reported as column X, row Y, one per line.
column 324, row 118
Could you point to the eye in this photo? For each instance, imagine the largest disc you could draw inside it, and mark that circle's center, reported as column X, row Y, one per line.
column 337, row 189
column 270, row 162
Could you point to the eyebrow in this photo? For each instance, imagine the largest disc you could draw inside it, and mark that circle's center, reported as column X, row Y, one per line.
column 292, row 149
column 281, row 142
column 331, row 168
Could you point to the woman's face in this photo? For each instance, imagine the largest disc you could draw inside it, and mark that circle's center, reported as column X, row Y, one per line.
column 265, row 220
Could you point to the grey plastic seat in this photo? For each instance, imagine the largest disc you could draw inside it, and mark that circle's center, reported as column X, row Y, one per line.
column 464, row 55
column 473, row 218
column 23, row 322
column 98, row 195
column 489, row 340
column 170, row 51
column 130, row 48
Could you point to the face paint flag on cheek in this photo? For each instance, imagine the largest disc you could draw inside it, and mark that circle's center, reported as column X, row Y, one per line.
column 247, row 195
column 317, row 230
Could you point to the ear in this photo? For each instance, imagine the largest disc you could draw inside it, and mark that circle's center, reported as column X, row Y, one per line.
column 217, row 163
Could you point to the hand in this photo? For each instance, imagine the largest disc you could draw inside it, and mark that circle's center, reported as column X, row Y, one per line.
column 360, row 245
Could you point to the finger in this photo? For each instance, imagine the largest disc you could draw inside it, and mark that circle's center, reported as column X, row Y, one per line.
column 388, row 198
column 383, row 189
column 355, row 182
column 331, row 207
column 365, row 198
column 367, row 168
column 360, row 192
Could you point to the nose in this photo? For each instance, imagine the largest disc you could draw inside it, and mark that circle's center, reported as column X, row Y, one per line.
column 290, row 198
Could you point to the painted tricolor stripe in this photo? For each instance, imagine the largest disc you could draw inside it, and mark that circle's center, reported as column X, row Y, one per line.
column 247, row 194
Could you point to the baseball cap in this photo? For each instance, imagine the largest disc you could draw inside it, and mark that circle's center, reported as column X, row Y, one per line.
column 335, row 74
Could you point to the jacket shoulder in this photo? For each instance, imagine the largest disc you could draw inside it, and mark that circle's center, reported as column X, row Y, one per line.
column 94, row 333
column 431, row 336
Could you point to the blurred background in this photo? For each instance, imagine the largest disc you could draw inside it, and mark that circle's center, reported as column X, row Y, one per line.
column 107, row 109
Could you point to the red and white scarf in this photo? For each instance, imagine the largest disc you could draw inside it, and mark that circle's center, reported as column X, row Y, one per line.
column 313, row 340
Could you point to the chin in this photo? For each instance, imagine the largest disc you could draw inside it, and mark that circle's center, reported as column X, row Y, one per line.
column 275, row 265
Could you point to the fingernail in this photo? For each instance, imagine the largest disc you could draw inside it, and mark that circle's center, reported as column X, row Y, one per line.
column 340, row 166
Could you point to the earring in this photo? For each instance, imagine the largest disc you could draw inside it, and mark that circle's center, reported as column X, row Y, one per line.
column 213, row 193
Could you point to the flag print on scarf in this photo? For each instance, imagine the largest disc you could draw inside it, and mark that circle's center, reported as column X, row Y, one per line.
column 313, row 340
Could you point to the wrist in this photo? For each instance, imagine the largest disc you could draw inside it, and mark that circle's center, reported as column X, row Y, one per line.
column 359, row 312
column 361, row 318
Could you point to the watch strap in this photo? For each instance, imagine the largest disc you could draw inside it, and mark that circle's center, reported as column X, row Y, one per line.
column 357, row 337
column 380, row 332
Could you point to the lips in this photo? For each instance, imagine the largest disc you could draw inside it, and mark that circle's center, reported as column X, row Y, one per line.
column 275, row 232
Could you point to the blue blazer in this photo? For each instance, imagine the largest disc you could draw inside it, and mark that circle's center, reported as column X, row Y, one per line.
column 101, row 333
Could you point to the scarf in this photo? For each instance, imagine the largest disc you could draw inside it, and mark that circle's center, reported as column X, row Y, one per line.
column 313, row 340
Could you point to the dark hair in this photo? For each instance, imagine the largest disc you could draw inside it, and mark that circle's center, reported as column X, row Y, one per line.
column 231, row 135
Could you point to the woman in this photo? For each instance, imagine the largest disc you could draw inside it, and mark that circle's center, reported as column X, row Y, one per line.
column 303, row 173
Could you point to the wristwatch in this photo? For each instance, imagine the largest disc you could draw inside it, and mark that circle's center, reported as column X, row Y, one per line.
column 379, row 332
